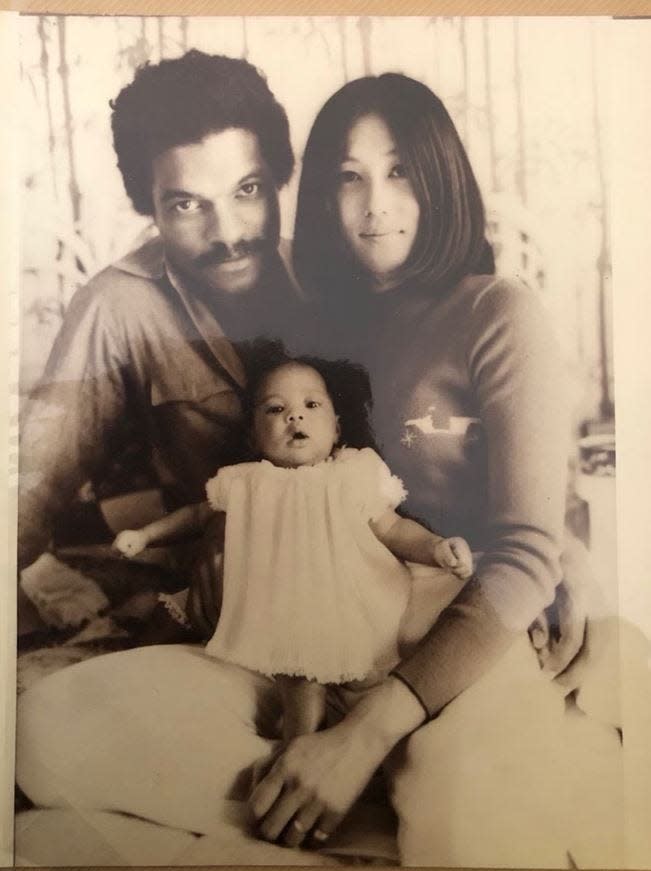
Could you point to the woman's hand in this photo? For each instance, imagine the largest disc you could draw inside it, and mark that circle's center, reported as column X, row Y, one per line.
column 315, row 781
column 130, row 542
column 454, row 554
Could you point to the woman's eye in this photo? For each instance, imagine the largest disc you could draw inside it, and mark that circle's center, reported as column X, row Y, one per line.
column 398, row 171
column 250, row 189
column 346, row 176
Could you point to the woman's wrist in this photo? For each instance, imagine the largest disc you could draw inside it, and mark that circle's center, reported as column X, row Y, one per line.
column 388, row 712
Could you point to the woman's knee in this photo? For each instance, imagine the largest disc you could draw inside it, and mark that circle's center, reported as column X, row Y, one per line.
column 486, row 766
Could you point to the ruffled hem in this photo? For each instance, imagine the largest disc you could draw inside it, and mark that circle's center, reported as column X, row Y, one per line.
column 267, row 669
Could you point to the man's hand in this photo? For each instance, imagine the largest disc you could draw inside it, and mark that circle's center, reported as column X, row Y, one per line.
column 131, row 542
column 314, row 782
column 454, row 554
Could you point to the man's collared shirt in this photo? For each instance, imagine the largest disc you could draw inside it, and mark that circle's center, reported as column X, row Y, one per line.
column 140, row 354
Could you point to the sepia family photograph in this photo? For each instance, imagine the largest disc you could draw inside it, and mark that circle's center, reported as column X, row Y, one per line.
column 317, row 536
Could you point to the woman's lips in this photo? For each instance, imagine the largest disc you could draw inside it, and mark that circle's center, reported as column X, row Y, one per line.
column 380, row 234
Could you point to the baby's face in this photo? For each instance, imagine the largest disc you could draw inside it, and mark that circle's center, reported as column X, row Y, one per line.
column 294, row 421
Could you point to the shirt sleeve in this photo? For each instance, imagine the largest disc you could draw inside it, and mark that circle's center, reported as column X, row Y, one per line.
column 383, row 491
column 520, row 388
column 70, row 419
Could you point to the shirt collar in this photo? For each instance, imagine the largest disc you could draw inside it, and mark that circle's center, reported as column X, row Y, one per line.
column 148, row 261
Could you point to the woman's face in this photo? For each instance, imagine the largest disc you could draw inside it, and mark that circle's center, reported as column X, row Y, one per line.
column 377, row 208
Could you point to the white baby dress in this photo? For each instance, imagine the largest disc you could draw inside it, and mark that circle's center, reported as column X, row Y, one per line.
column 308, row 588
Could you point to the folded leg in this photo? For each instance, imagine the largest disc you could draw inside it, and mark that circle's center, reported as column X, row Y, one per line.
column 164, row 733
column 487, row 782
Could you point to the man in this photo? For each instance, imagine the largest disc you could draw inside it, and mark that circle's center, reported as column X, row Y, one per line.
column 144, row 364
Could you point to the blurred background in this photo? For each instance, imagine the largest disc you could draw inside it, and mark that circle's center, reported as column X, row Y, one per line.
column 529, row 97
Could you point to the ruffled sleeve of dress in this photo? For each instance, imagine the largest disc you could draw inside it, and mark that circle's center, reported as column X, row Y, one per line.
column 218, row 489
column 380, row 490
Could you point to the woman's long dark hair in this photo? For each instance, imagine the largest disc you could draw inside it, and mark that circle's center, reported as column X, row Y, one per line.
column 450, row 242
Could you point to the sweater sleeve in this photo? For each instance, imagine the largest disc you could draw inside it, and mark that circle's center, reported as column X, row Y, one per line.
column 520, row 389
column 70, row 417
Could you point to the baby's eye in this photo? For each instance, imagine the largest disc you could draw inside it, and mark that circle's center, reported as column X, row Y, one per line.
column 274, row 409
column 347, row 176
column 312, row 403
column 398, row 171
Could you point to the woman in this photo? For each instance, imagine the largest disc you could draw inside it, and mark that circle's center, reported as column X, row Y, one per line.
column 467, row 382
column 471, row 414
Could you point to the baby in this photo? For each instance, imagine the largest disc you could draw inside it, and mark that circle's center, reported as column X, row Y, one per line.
column 314, row 583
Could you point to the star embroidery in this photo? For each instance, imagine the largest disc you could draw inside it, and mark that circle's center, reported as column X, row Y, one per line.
column 408, row 438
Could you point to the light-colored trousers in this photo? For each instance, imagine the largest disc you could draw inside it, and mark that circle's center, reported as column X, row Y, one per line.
column 502, row 777
column 165, row 732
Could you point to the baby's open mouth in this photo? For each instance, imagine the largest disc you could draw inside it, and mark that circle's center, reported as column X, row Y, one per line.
column 298, row 435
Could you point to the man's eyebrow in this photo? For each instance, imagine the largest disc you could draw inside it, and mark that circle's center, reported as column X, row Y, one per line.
column 180, row 194
column 176, row 194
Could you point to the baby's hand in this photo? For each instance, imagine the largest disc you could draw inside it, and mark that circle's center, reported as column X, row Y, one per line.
column 454, row 554
column 131, row 542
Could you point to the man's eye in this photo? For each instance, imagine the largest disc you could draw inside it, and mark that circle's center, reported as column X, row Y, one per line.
column 185, row 206
column 348, row 176
column 250, row 189
column 398, row 171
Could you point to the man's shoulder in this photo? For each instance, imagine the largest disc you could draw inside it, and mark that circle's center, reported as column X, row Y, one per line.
column 136, row 276
column 146, row 260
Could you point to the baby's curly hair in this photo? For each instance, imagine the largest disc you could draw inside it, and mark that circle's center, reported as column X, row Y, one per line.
column 180, row 101
column 347, row 383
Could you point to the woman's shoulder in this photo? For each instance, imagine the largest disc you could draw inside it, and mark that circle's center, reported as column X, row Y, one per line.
column 497, row 294
column 492, row 304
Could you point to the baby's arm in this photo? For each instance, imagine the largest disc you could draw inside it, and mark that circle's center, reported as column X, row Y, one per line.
column 187, row 520
column 410, row 541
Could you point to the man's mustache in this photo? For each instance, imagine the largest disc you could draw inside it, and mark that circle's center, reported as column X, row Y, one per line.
column 222, row 253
